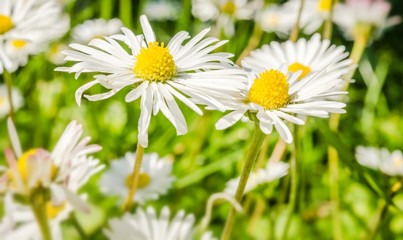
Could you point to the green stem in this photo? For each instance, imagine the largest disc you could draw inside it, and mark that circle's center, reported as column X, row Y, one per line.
column 9, row 84
column 360, row 43
column 134, row 179
column 253, row 43
column 251, row 156
column 41, row 216
column 328, row 29
column 106, row 9
column 125, row 12
column 294, row 171
column 295, row 32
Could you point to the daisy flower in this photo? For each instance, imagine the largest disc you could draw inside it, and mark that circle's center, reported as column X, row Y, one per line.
column 390, row 163
column 357, row 17
column 155, row 177
column 18, row 100
column 146, row 225
column 95, row 28
column 307, row 57
column 19, row 223
column 276, row 94
column 225, row 12
column 277, row 19
column 26, row 28
column 62, row 171
column 270, row 173
column 158, row 73
column 161, row 10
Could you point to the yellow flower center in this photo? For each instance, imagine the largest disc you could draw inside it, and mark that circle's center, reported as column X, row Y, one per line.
column 155, row 63
column 144, row 180
column 298, row 66
column 1, row 101
column 229, row 7
column 5, row 24
column 19, row 43
column 397, row 162
column 53, row 211
column 324, row 5
column 270, row 90
column 23, row 168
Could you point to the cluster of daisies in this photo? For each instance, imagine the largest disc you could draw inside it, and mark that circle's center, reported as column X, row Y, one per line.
column 279, row 84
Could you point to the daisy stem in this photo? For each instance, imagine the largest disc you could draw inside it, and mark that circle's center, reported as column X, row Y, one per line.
column 134, row 179
column 41, row 216
column 9, row 82
column 328, row 29
column 294, row 170
column 333, row 158
column 383, row 211
column 295, row 31
column 253, row 42
column 125, row 12
column 251, row 156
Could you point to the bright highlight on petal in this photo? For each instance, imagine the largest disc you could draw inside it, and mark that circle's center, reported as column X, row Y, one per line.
column 5, row 24
column 155, row 63
column 295, row 67
column 270, row 90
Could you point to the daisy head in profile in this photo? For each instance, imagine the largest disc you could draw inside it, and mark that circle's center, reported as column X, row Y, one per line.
column 277, row 95
column 147, row 225
column 155, row 177
column 158, row 73
column 53, row 177
column 389, row 163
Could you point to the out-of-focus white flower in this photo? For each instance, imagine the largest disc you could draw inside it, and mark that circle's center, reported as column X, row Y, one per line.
column 17, row 99
column 161, row 10
column 308, row 57
column 55, row 54
column 277, row 19
column 26, row 28
column 158, row 73
column 155, row 177
column 62, row 171
column 270, row 173
column 275, row 95
column 146, row 225
column 390, row 163
column 225, row 12
column 358, row 17
column 95, row 28
column 19, row 222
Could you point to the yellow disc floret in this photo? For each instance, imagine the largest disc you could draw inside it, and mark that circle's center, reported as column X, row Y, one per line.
column 324, row 5
column 155, row 63
column 19, row 43
column 144, row 180
column 52, row 211
column 5, row 24
column 229, row 8
column 270, row 90
column 298, row 66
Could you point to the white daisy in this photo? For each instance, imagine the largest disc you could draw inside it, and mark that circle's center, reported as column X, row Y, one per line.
column 62, row 171
column 19, row 223
column 146, row 225
column 161, row 10
column 95, row 28
column 17, row 99
column 309, row 57
column 158, row 73
column 357, row 17
column 26, row 28
column 155, row 177
column 275, row 95
column 390, row 163
column 277, row 19
column 225, row 12
column 270, row 173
